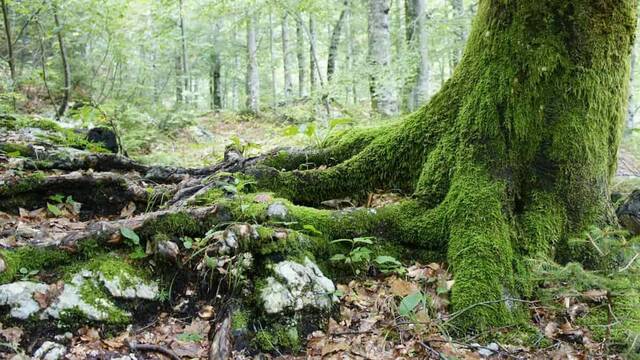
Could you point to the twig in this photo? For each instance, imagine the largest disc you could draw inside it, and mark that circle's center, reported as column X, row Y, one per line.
column 431, row 350
column 153, row 348
column 630, row 263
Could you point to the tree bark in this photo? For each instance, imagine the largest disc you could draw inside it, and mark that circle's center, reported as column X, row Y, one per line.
column 383, row 98
column 11, row 59
column 333, row 45
column 179, row 77
column 508, row 161
column 312, row 51
column 253, row 79
column 459, row 33
column 64, row 104
column 351, row 87
column 286, row 59
column 216, row 66
column 416, row 87
column 272, row 64
column 300, row 57
column 183, row 55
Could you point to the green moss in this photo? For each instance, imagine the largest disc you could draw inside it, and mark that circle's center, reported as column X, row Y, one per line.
column 22, row 184
column 31, row 259
column 280, row 337
column 209, row 197
column 177, row 224
column 13, row 148
column 96, row 296
column 240, row 320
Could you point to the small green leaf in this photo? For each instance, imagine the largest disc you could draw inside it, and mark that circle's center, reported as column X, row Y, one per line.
column 338, row 257
column 387, row 260
column 409, row 303
column 310, row 228
column 53, row 209
column 130, row 235
column 57, row 198
column 310, row 129
column 291, row 131
column 363, row 240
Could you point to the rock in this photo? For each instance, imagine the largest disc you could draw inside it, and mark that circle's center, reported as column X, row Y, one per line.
column 19, row 296
column 72, row 298
column 3, row 265
column 105, row 136
column 277, row 211
column 295, row 286
column 169, row 250
column 493, row 347
column 50, row 351
column 129, row 287
column 629, row 213
column 484, row 352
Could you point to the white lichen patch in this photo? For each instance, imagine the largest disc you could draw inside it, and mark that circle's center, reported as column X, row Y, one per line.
column 129, row 287
column 19, row 297
column 295, row 286
column 81, row 295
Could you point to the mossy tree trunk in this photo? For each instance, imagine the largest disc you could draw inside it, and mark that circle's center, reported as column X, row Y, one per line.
column 509, row 159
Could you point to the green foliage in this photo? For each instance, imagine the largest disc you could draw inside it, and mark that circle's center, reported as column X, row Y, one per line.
column 358, row 256
column 314, row 134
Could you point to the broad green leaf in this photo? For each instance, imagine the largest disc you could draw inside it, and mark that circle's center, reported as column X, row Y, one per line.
column 130, row 235
column 409, row 303
column 338, row 257
column 310, row 129
column 53, row 209
column 363, row 240
column 291, row 131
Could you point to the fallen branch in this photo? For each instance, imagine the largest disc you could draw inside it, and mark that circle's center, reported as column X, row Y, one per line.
column 135, row 347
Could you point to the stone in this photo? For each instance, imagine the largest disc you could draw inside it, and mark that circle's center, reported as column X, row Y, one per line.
column 629, row 213
column 277, row 211
column 105, row 136
column 50, row 350
column 19, row 297
column 129, row 287
column 295, row 286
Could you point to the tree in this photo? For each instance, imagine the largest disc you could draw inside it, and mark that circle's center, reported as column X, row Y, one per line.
column 183, row 55
column 253, row 78
column 64, row 104
column 286, row 59
column 11, row 59
column 417, row 85
column 300, row 57
column 383, row 99
column 460, row 35
column 509, row 160
column 216, row 65
column 335, row 41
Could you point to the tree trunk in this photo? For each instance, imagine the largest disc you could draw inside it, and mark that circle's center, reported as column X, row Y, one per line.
column 351, row 88
column 458, row 30
column 416, row 87
column 272, row 64
column 383, row 99
column 300, row 58
column 183, row 56
column 64, row 104
column 312, row 51
column 333, row 45
column 286, row 59
column 11, row 59
column 631, row 104
column 234, row 81
column 507, row 162
column 216, row 86
column 179, row 77
column 253, row 79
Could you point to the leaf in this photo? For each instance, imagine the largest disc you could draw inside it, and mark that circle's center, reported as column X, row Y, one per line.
column 310, row 129
column 363, row 240
column 387, row 260
column 291, row 131
column 409, row 303
column 130, row 235
column 338, row 257
column 53, row 209
column 57, row 198
column 310, row 228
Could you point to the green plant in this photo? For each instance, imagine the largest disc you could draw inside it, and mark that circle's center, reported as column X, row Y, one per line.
column 317, row 136
column 245, row 147
column 190, row 337
column 409, row 304
column 359, row 255
column 388, row 264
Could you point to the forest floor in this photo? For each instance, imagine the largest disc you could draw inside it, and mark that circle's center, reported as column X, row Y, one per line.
column 377, row 315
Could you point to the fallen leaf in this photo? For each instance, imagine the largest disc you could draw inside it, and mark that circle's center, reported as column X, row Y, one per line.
column 128, row 210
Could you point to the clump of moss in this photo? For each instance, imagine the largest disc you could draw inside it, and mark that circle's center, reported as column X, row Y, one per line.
column 240, row 320
column 279, row 337
column 31, row 259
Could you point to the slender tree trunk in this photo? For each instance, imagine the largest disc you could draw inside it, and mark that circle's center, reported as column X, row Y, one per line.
column 300, row 57
column 253, row 79
column 179, row 80
column 183, row 55
column 351, row 87
column 11, row 59
column 383, row 98
column 459, row 33
column 64, row 104
column 631, row 105
column 216, row 66
column 416, row 87
column 272, row 64
column 234, row 81
column 333, row 45
column 286, row 59
column 312, row 52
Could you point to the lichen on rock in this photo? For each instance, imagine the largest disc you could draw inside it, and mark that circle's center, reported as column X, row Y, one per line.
column 295, row 286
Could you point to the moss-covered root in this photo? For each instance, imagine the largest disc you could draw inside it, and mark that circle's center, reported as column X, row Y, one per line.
column 480, row 251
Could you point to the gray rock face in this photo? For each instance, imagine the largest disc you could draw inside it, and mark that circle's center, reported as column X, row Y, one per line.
column 629, row 213
column 81, row 294
column 50, row 351
column 277, row 211
column 19, row 296
column 295, row 286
